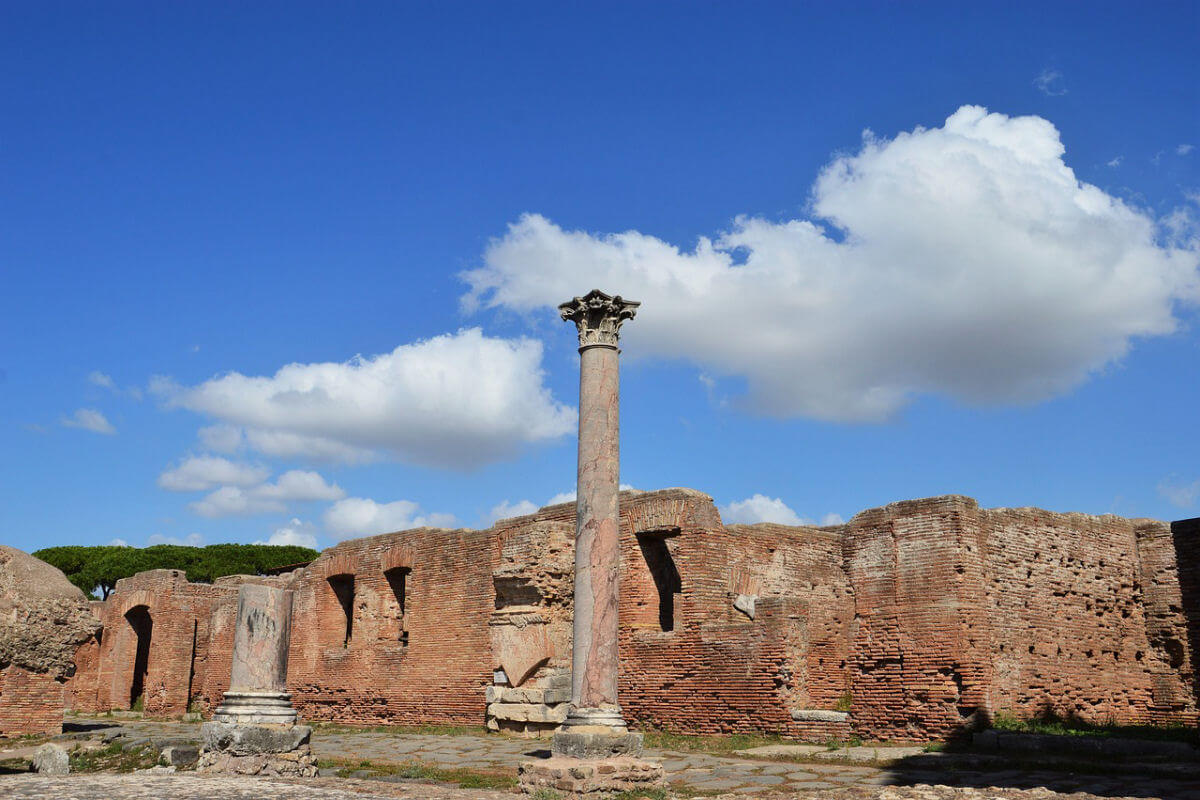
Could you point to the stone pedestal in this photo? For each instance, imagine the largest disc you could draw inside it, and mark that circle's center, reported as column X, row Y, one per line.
column 253, row 731
column 237, row 749
column 594, row 754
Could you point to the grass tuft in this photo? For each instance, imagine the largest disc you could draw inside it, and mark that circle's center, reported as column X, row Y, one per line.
column 1053, row 724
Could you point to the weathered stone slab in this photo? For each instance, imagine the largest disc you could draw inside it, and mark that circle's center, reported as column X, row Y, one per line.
column 254, row 739
column 529, row 712
column 818, row 715
column 592, row 745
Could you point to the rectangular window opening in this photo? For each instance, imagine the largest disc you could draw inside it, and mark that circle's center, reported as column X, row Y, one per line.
column 667, row 582
column 343, row 590
column 397, row 579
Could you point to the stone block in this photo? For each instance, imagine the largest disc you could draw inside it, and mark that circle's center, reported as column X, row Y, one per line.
column 529, row 712
column 556, row 680
column 51, row 759
column 181, row 756
column 501, row 694
column 241, row 740
column 596, row 745
column 557, row 695
column 818, row 715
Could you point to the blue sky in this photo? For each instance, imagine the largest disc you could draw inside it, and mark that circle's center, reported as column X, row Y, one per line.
column 885, row 250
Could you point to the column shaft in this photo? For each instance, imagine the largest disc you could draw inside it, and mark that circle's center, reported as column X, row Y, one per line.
column 597, row 544
column 260, row 640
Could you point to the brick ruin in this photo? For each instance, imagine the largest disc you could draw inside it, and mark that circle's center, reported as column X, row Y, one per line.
column 918, row 620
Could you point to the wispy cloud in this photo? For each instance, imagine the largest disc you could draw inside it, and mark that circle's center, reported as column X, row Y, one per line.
column 1182, row 495
column 1116, row 162
column 105, row 381
column 1050, row 83
column 89, row 419
column 1184, row 149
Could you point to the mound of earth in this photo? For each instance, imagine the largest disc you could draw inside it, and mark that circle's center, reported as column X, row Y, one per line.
column 43, row 616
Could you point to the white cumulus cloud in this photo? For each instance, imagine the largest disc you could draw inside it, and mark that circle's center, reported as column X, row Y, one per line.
column 505, row 509
column 292, row 486
column 455, row 400
column 199, row 473
column 362, row 516
column 89, row 419
column 760, row 508
column 966, row 260
column 221, row 438
column 296, row 532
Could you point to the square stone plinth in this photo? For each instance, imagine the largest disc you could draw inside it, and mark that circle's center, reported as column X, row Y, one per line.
column 596, row 742
column 590, row 778
column 235, row 749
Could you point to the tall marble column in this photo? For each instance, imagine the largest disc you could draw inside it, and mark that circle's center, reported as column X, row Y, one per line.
column 258, row 677
column 598, row 318
column 594, row 755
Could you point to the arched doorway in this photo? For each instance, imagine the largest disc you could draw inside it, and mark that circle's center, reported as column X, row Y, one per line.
column 139, row 620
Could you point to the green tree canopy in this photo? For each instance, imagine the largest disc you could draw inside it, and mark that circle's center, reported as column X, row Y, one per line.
column 100, row 567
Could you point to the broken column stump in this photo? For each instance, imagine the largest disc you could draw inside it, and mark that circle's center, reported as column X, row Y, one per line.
column 254, row 730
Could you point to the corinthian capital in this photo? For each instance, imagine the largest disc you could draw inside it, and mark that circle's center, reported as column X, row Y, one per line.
column 598, row 317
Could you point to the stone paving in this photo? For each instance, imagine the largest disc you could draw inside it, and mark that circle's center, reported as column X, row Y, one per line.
column 190, row 786
column 810, row 770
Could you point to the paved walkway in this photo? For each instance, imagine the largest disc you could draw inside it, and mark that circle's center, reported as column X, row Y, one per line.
column 814, row 772
column 189, row 786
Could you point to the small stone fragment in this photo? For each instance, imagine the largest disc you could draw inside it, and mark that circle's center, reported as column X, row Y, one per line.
column 51, row 759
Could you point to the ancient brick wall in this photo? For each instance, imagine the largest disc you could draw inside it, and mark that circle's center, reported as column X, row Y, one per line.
column 356, row 658
column 30, row 702
column 920, row 665
column 155, row 626
column 80, row 692
column 1085, row 617
column 921, row 618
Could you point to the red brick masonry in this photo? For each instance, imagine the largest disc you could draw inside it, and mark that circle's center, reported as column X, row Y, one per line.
column 919, row 619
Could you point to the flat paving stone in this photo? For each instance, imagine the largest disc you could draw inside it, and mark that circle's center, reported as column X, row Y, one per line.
column 763, row 780
column 717, row 784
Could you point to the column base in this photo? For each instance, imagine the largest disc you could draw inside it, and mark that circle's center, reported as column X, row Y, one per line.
column 589, row 779
column 240, row 749
column 595, row 733
column 252, row 708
